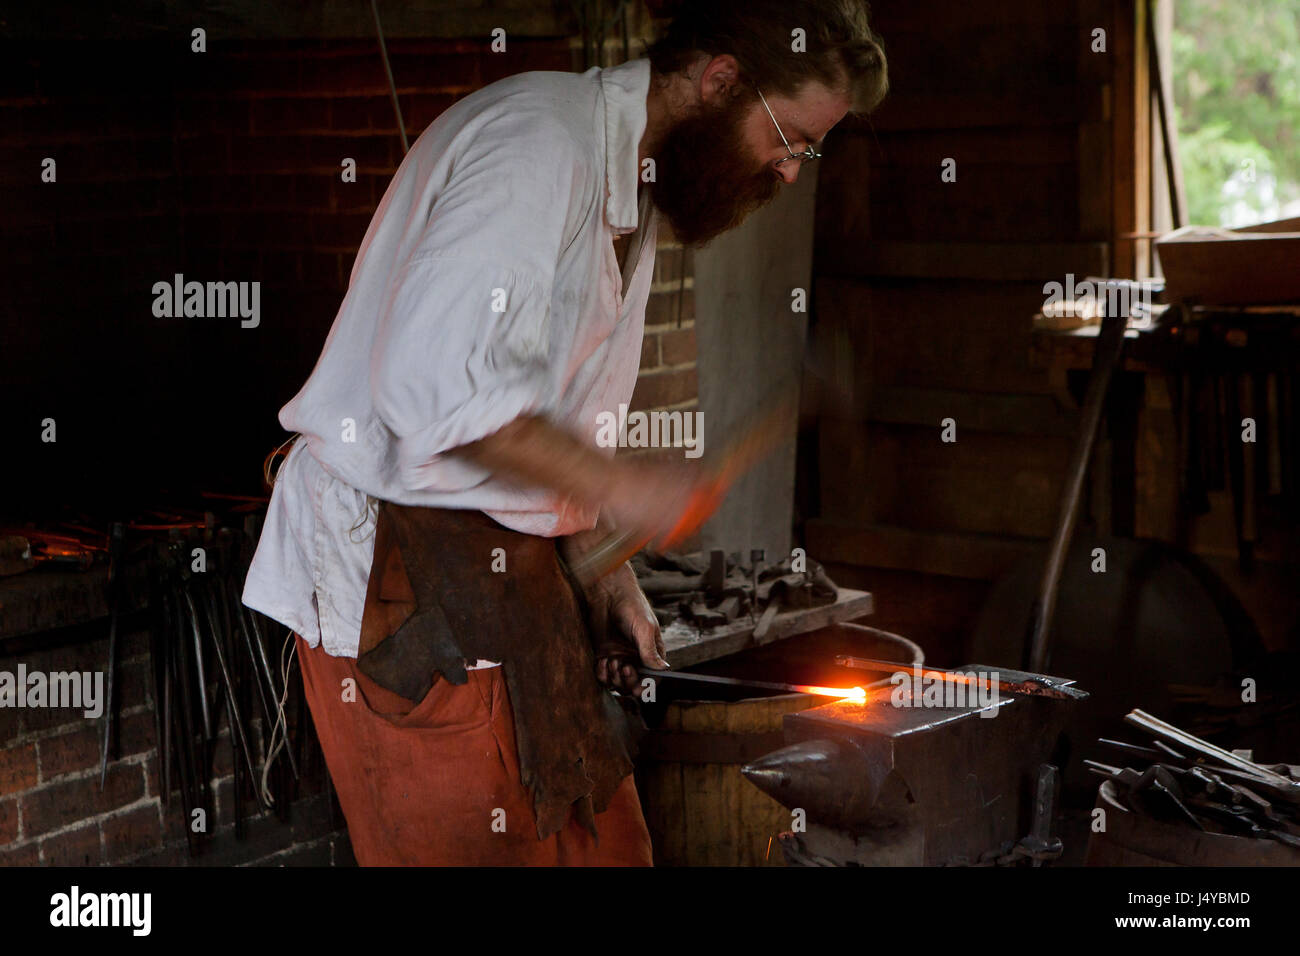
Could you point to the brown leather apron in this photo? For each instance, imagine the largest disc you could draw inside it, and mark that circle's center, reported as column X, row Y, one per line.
column 434, row 601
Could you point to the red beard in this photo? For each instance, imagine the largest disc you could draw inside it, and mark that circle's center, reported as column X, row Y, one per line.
column 706, row 179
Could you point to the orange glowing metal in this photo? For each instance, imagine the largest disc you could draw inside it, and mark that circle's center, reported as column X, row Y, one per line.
column 844, row 693
column 839, row 693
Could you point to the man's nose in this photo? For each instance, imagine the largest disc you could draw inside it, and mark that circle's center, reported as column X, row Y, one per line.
column 787, row 172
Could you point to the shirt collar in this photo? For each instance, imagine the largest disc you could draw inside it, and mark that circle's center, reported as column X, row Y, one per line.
column 625, row 88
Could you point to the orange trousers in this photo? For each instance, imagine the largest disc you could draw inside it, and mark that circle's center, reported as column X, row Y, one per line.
column 437, row 783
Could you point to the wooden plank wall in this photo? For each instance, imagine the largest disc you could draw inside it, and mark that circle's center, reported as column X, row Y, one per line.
column 924, row 290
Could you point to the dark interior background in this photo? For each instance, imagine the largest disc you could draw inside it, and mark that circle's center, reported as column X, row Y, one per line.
column 222, row 166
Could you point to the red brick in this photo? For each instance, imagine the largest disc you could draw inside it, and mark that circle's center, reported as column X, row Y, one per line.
column 354, row 113
column 133, row 833
column 174, row 820
column 257, row 190
column 339, row 230
column 448, row 71
column 373, row 153
column 230, row 116
column 322, row 269
column 60, row 804
column 351, row 74
column 29, row 855
column 134, row 685
column 418, row 111
column 280, row 267
column 281, row 153
column 136, row 734
column 670, row 307
column 18, row 768
column 152, row 785
column 661, row 389
column 203, row 154
column 379, row 183
column 668, row 264
column 8, row 821
column 18, row 338
column 678, row 346
column 68, row 753
column 650, row 351
column 325, row 191
column 266, row 74
column 78, row 847
column 284, row 115
column 520, row 56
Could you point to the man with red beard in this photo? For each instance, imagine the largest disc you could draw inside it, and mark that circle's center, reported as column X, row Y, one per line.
column 446, row 475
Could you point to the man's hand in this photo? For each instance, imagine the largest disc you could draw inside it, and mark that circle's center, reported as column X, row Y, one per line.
column 624, row 629
column 649, row 497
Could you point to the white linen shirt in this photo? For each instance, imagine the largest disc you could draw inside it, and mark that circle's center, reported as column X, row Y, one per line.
column 486, row 287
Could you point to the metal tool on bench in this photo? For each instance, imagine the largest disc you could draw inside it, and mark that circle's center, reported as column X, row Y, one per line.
column 1185, row 780
column 203, row 637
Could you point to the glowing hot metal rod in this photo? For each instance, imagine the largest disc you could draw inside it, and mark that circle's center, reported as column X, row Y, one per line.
column 840, row 693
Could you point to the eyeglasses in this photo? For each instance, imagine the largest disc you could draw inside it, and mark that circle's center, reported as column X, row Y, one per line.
column 807, row 155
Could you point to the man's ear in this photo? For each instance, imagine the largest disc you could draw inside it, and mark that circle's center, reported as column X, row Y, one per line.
column 719, row 80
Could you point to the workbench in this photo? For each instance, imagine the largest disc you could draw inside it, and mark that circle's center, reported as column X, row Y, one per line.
column 687, row 644
column 1148, row 423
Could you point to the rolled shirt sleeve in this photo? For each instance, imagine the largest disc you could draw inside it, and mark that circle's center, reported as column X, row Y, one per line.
column 465, row 343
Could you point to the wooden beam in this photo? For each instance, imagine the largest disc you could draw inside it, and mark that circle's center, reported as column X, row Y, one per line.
column 1095, row 155
column 1130, row 140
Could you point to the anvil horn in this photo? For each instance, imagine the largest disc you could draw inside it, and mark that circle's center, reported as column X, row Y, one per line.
column 834, row 782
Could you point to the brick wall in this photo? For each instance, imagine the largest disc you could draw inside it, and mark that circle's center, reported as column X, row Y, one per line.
column 668, row 373
column 54, row 812
column 223, row 165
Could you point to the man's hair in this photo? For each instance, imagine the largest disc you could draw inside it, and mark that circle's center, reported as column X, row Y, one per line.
column 841, row 51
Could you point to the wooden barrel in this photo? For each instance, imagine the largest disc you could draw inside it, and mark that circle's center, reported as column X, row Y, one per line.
column 699, row 808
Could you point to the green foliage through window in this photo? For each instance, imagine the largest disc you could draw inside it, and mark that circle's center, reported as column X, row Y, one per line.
column 1236, row 78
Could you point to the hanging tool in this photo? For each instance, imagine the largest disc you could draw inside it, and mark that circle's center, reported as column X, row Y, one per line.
column 115, row 555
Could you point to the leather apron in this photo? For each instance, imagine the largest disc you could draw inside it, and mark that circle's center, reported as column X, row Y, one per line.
column 449, row 586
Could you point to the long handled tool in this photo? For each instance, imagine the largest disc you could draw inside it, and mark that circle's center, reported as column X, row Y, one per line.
column 1035, row 686
column 1110, row 343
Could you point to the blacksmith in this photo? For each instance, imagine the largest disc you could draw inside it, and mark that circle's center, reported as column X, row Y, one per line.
column 446, row 472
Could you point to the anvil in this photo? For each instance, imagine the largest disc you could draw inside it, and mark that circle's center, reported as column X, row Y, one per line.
column 883, row 784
